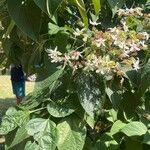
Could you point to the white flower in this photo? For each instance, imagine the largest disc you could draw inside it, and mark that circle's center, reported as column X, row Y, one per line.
column 136, row 64
column 125, row 27
column 78, row 32
column 134, row 47
column 85, row 38
column 114, row 30
column 121, row 11
column 75, row 55
column 126, row 53
column 142, row 43
column 138, row 10
column 67, row 58
column 94, row 23
column 146, row 35
column 54, row 55
column 122, row 45
column 89, row 66
column 100, row 42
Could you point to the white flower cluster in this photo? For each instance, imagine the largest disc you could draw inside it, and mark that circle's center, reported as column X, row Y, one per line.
column 99, row 64
column 105, row 52
column 130, row 12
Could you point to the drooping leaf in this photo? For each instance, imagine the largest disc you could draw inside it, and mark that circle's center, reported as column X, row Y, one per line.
column 26, row 15
column 49, row 6
column 134, row 128
column 44, row 132
column 72, row 134
column 89, row 93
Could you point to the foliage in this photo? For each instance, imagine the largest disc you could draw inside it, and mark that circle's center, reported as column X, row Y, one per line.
column 92, row 61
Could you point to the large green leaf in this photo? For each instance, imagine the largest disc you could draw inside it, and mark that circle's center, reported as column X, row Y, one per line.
column 72, row 134
column 97, row 6
column 89, row 93
column 26, row 15
column 13, row 119
column 49, row 6
column 62, row 108
column 44, row 132
column 134, row 128
column 49, row 82
column 20, row 135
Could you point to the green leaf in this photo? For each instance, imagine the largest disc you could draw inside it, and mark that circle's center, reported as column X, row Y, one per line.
column 145, row 79
column 44, row 132
column 72, row 134
column 26, row 15
column 20, row 135
column 81, row 6
column 89, row 120
column 89, row 93
column 31, row 146
column 114, row 96
column 9, row 29
column 61, row 40
column 134, row 128
column 131, row 144
column 13, row 119
column 117, row 126
column 129, row 98
column 112, row 115
column 61, row 108
column 54, row 29
column 97, row 6
column 115, row 5
column 48, row 82
column 106, row 142
column 50, row 7
column 146, row 139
